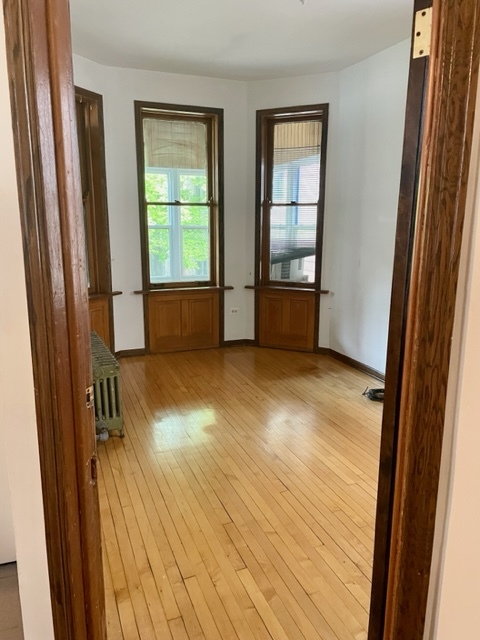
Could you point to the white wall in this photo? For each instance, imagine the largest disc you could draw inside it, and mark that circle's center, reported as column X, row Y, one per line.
column 362, row 232
column 17, row 408
column 120, row 87
column 367, row 105
column 454, row 596
column 7, row 539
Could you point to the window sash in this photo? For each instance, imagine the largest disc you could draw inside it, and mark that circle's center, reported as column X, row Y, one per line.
column 181, row 240
column 178, row 255
column 299, row 260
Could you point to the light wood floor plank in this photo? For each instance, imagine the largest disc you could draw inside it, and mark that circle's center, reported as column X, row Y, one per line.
column 241, row 503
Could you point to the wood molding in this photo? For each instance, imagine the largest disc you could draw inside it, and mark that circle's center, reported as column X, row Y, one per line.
column 43, row 110
column 271, row 287
column 168, row 290
column 355, row 364
column 420, row 394
column 91, row 137
column 239, row 343
column 130, row 353
column 396, row 338
column 322, row 351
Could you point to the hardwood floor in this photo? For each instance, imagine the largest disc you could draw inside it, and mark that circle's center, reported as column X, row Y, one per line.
column 241, row 502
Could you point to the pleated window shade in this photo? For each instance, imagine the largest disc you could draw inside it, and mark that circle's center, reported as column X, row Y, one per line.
column 295, row 195
column 175, row 144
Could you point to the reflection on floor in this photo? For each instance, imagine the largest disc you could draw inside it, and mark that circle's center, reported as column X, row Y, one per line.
column 241, row 502
column 10, row 614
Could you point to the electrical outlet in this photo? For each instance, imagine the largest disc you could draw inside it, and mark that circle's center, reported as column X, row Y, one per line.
column 234, row 310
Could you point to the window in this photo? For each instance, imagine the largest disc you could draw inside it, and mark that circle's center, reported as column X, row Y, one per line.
column 292, row 149
column 178, row 163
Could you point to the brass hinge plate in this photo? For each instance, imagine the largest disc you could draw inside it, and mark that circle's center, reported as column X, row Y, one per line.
column 89, row 397
column 422, row 36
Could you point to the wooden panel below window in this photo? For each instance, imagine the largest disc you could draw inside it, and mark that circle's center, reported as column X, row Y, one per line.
column 180, row 320
column 287, row 319
column 99, row 312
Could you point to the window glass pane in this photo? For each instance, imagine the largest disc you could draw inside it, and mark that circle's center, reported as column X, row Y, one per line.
column 193, row 187
column 158, row 215
column 156, row 186
column 159, row 254
column 195, row 254
column 194, row 216
column 293, row 231
column 296, row 162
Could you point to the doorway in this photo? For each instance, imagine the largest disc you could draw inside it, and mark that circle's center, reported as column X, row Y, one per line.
column 447, row 236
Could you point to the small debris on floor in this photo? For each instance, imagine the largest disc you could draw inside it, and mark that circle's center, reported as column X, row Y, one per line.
column 374, row 394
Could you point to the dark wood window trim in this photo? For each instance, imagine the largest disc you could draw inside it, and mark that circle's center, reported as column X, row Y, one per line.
column 213, row 117
column 90, row 131
column 167, row 290
column 266, row 118
column 285, row 288
column 111, row 294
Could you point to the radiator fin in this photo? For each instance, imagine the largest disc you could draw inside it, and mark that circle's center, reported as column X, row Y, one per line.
column 106, row 384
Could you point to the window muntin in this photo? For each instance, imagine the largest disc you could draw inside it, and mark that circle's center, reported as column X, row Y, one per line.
column 292, row 184
column 179, row 180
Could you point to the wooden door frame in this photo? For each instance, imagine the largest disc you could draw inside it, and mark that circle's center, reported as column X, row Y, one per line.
column 428, row 244
column 435, row 171
column 48, row 175
column 97, row 224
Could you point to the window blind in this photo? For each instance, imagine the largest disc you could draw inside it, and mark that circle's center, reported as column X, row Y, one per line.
column 295, row 195
column 175, row 144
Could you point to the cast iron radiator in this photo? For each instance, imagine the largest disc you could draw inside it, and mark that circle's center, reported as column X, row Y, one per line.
column 106, row 387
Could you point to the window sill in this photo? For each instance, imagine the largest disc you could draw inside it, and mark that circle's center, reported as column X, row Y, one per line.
column 146, row 292
column 273, row 287
column 106, row 294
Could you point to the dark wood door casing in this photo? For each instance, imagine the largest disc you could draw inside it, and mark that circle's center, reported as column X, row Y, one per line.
column 432, row 209
column 405, row 233
column 91, row 139
column 46, row 150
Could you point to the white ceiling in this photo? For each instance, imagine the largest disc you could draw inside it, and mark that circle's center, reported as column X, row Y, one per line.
column 237, row 39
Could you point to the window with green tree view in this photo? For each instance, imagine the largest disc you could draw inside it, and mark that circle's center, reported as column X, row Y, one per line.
column 178, row 155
